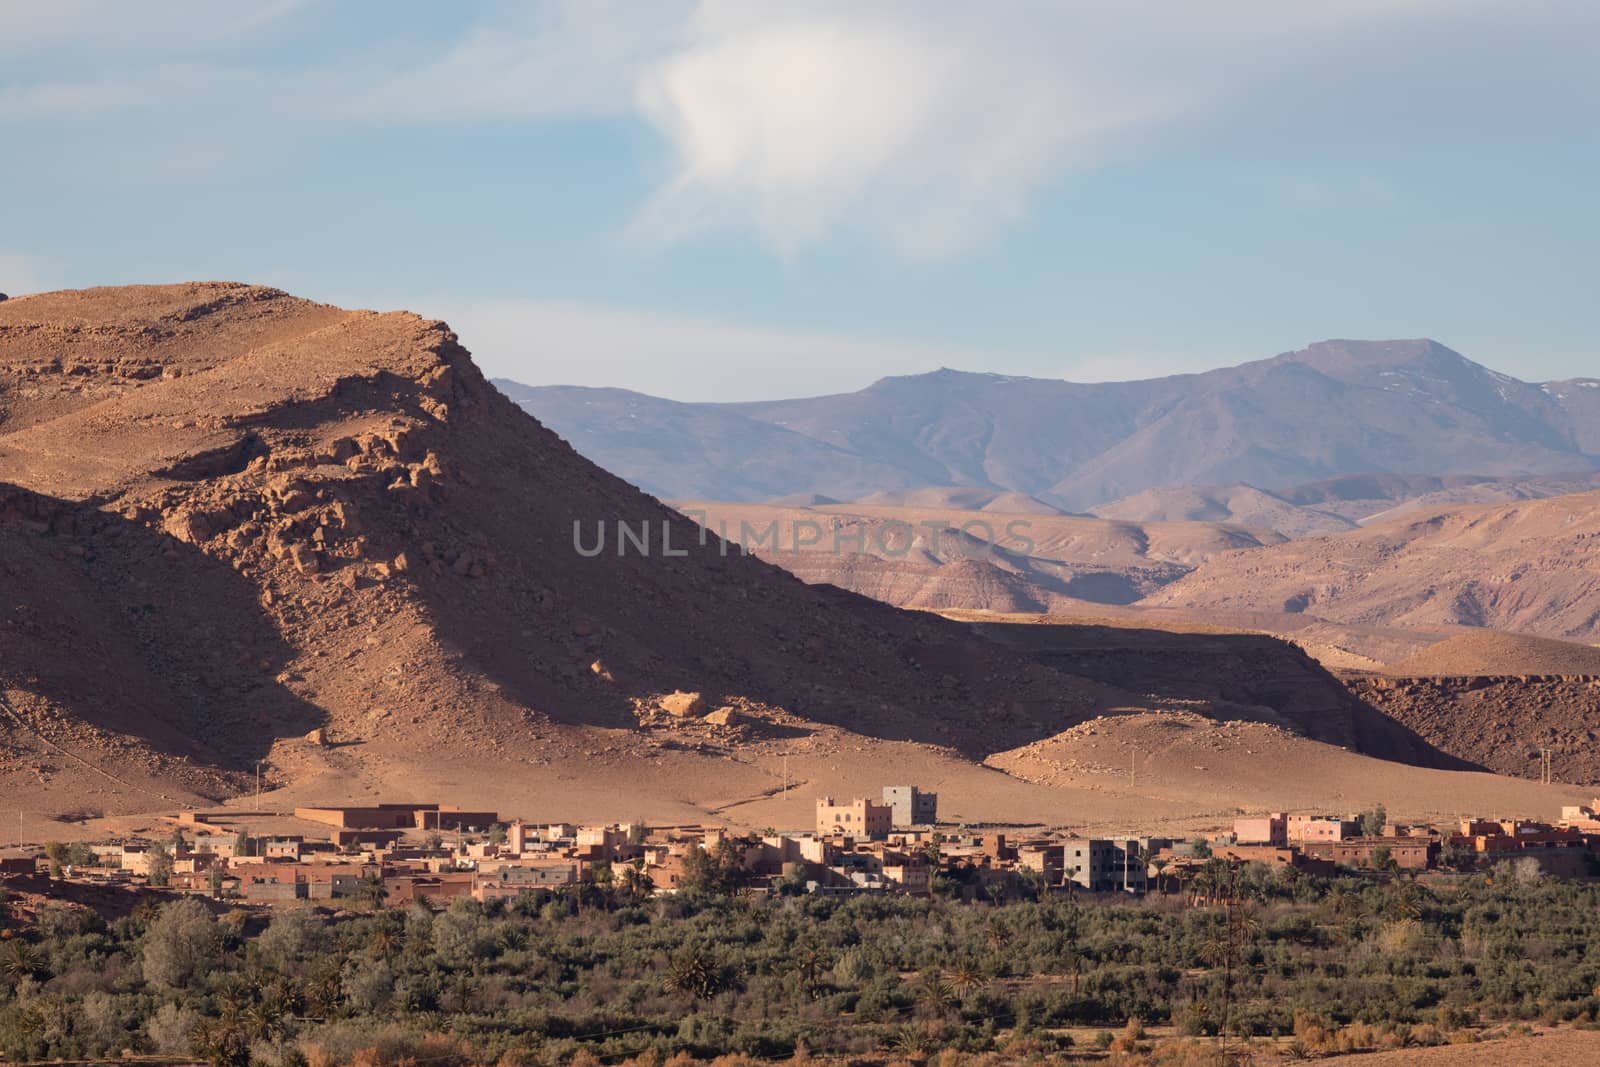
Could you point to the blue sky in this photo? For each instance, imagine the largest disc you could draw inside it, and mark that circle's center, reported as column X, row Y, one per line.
column 718, row 200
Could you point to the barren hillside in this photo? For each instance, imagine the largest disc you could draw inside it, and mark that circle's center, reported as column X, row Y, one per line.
column 1502, row 722
column 1531, row 567
column 234, row 517
column 941, row 558
column 1487, row 652
column 1239, row 505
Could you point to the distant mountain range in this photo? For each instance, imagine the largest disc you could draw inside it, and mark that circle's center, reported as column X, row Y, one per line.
column 1336, row 408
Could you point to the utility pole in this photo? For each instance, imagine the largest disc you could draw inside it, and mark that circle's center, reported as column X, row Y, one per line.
column 1544, row 766
column 258, row 785
column 786, row 775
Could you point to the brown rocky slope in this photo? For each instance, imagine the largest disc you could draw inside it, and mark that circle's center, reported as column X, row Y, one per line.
column 1529, row 567
column 235, row 517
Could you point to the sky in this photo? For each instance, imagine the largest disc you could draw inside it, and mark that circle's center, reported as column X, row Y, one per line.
column 737, row 200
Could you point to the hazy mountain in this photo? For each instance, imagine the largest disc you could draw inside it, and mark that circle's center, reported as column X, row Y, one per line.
column 1408, row 407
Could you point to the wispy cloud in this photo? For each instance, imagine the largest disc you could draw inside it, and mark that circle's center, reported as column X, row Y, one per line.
column 527, row 62
column 924, row 126
column 562, row 343
column 927, row 132
column 930, row 125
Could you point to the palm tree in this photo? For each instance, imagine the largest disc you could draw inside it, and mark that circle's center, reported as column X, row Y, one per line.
column 911, row 1042
column 383, row 940
column 1406, row 900
column 998, row 934
column 636, row 884
column 809, row 963
column 222, row 1043
column 965, row 980
column 372, row 891
column 935, row 994
column 694, row 971
column 20, row 960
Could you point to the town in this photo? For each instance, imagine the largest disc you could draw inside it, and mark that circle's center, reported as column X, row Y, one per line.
column 429, row 853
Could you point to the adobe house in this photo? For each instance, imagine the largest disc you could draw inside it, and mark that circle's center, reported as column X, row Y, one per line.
column 859, row 818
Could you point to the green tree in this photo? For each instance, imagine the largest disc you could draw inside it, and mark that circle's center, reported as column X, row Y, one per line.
column 180, row 944
column 1373, row 821
column 160, row 864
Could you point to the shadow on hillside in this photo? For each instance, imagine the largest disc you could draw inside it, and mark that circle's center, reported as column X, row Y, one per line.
column 1244, row 676
column 137, row 633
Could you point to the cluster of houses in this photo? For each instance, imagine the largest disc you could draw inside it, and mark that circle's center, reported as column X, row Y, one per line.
column 403, row 853
column 1324, row 843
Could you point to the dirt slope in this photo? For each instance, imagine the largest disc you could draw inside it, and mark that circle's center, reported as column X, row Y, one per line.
column 1530, row 567
column 943, row 558
column 1487, row 652
column 1239, row 505
column 959, row 498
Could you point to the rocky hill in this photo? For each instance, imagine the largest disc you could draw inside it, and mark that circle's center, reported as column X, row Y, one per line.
column 1503, row 722
column 1412, row 408
column 233, row 518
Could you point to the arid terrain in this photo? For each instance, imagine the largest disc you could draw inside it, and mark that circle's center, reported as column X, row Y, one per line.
column 1398, row 609
column 1531, row 567
column 942, row 557
column 244, row 527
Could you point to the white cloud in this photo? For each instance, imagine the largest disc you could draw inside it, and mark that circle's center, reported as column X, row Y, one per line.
column 925, row 131
column 926, row 126
column 562, row 343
